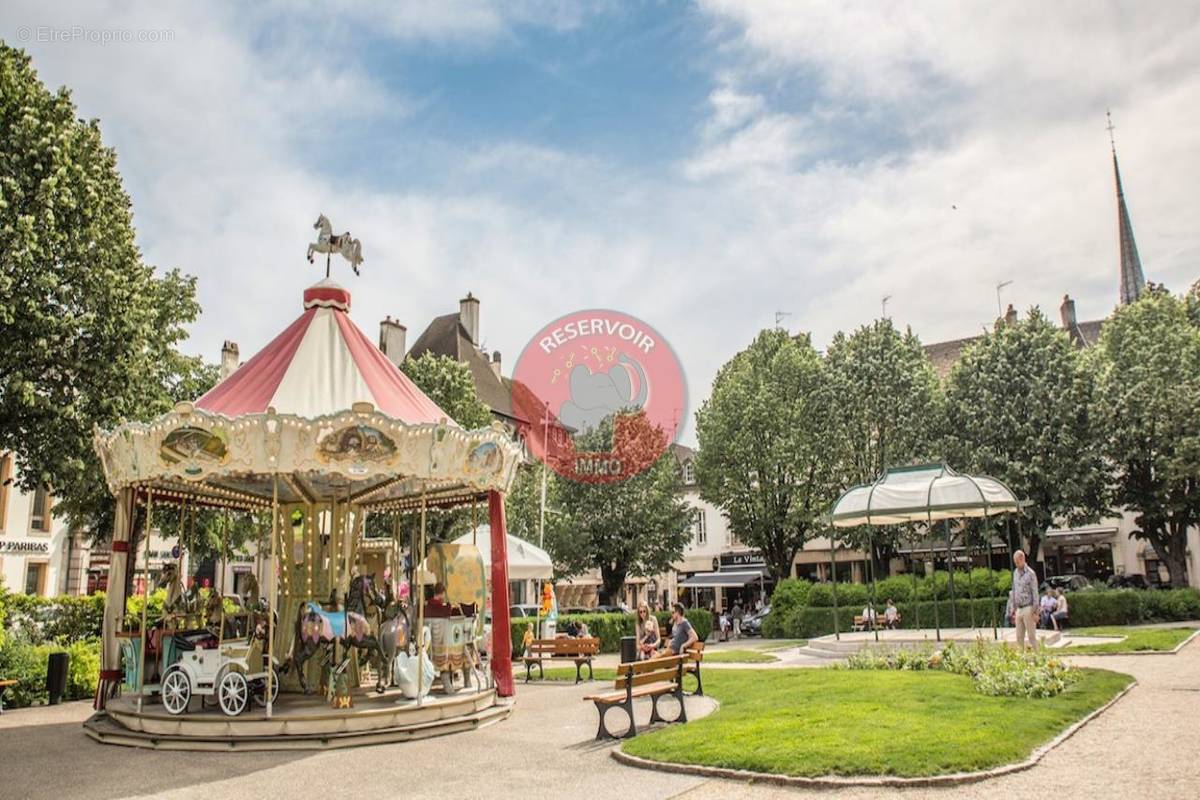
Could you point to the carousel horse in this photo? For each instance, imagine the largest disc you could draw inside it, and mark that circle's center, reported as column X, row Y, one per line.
column 318, row 629
column 349, row 248
column 395, row 631
column 177, row 601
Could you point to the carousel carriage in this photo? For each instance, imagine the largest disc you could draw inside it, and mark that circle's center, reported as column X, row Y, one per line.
column 315, row 434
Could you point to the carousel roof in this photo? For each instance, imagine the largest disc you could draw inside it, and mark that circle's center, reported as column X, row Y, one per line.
column 321, row 364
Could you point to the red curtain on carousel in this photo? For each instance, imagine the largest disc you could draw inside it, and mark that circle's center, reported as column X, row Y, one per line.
column 501, row 637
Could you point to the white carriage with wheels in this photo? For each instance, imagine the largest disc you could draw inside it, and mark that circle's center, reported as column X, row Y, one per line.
column 224, row 672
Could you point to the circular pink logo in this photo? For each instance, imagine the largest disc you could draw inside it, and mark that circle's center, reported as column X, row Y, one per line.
column 590, row 373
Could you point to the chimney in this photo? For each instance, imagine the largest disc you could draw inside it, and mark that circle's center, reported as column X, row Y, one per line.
column 468, row 316
column 392, row 340
column 496, row 363
column 1067, row 310
column 229, row 359
column 1010, row 316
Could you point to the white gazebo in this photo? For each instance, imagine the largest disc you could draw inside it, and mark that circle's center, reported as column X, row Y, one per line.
column 925, row 493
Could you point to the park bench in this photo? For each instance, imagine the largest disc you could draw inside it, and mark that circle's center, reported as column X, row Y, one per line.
column 653, row 678
column 579, row 650
column 692, row 658
column 4, row 684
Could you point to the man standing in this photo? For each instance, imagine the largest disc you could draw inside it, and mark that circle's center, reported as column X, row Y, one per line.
column 736, row 615
column 1024, row 601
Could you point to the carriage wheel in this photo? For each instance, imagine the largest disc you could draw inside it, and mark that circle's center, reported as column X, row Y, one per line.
column 233, row 693
column 176, row 691
column 260, row 688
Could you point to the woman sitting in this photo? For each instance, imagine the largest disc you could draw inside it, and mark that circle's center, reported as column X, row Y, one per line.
column 646, row 632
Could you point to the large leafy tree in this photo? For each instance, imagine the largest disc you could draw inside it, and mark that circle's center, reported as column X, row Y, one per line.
column 885, row 413
column 448, row 383
column 633, row 527
column 1017, row 408
column 764, row 436
column 90, row 331
column 1147, row 407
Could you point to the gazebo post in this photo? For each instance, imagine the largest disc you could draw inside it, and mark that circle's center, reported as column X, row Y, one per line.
column 950, row 575
column 991, row 582
column 912, row 561
column 970, row 580
column 933, row 590
column 873, row 619
column 833, row 582
column 501, row 632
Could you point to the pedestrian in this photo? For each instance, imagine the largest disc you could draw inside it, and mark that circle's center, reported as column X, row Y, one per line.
column 1024, row 601
column 1047, row 606
column 1061, row 611
column 736, row 617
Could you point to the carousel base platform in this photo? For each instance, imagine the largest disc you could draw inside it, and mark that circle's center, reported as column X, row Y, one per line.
column 834, row 647
column 298, row 722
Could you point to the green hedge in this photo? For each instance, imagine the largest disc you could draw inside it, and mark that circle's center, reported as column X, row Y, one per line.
column 25, row 662
column 980, row 582
column 1088, row 608
column 64, row 619
column 609, row 628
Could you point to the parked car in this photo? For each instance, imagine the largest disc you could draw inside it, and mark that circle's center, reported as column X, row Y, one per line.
column 752, row 625
column 1069, row 583
column 1135, row 581
column 522, row 610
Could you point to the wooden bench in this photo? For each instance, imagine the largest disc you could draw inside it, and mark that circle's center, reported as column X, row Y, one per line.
column 652, row 678
column 692, row 658
column 3, row 688
column 580, row 651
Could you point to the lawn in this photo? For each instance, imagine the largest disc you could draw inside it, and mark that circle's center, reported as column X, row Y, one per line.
column 814, row 722
column 1137, row 640
column 738, row 657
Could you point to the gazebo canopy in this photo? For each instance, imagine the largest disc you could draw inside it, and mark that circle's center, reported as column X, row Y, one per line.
column 922, row 493
column 525, row 559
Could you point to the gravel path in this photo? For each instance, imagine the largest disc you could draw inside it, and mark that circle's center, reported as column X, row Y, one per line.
column 1144, row 746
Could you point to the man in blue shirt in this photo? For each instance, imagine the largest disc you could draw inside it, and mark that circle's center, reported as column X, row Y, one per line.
column 682, row 632
column 1024, row 600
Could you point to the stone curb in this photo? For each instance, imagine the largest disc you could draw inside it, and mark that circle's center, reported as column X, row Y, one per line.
column 838, row 782
column 1066, row 651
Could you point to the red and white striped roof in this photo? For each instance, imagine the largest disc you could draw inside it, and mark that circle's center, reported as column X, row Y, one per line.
column 321, row 364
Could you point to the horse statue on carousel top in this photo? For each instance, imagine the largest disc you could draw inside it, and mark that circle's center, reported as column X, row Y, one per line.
column 327, row 242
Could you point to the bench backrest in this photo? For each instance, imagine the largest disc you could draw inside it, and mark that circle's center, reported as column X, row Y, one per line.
column 655, row 670
column 565, row 646
column 695, row 651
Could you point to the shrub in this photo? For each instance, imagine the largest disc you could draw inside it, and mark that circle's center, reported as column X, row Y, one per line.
column 1116, row 607
column 25, row 662
column 790, row 595
column 1168, row 605
column 897, row 587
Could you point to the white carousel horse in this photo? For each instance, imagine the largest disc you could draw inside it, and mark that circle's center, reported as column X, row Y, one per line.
column 343, row 244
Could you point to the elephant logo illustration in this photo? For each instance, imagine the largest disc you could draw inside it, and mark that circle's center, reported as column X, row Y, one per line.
column 596, row 395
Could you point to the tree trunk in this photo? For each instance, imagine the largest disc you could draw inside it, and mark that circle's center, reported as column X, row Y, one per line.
column 1176, row 554
column 612, row 580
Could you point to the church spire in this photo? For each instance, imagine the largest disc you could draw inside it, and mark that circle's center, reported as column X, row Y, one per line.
column 1133, row 280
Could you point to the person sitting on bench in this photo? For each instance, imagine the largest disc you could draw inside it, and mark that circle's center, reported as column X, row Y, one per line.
column 647, row 632
column 891, row 615
column 682, row 632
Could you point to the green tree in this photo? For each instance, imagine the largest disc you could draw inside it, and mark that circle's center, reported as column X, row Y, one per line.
column 1147, row 404
column 91, row 333
column 634, row 527
column 885, row 414
column 764, row 436
column 1017, row 408
column 448, row 383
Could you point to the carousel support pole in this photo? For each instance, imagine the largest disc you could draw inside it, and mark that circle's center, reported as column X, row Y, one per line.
column 950, row 575
column 837, row 634
column 221, row 580
column 274, row 593
column 501, row 634
column 145, row 596
column 114, row 602
column 419, row 570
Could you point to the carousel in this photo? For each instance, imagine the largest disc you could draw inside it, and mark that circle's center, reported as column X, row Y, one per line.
column 363, row 632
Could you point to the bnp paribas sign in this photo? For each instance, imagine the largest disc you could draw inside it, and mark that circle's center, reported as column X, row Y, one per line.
column 23, row 546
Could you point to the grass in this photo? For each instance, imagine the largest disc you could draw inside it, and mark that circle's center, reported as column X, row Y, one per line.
column 819, row 722
column 738, row 657
column 1137, row 640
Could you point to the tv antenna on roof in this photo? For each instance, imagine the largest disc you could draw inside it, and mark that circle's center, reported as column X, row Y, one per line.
column 780, row 316
column 883, row 306
column 999, row 306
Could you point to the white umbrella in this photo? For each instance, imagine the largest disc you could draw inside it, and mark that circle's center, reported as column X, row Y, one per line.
column 526, row 561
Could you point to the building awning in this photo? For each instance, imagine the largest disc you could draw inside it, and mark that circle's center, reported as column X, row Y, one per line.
column 1080, row 536
column 723, row 580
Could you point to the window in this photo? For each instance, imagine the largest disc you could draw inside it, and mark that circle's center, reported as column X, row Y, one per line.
column 5, row 480
column 701, row 527
column 40, row 519
column 689, row 473
column 35, row 578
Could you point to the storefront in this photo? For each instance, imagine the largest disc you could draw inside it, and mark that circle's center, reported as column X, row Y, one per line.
column 740, row 578
column 1081, row 551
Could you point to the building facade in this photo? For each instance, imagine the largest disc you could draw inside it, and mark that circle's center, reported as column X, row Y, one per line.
column 38, row 553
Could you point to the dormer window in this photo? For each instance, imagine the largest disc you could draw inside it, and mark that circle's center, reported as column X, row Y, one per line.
column 689, row 473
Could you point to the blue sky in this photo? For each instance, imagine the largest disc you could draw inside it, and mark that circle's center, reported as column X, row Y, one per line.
column 701, row 165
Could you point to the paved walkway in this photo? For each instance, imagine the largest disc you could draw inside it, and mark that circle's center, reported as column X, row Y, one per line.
column 1145, row 746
